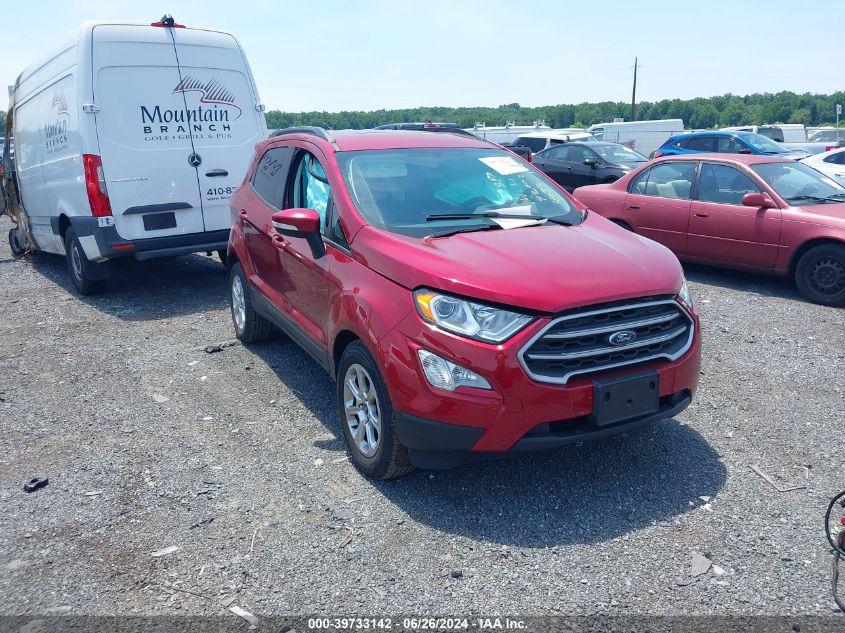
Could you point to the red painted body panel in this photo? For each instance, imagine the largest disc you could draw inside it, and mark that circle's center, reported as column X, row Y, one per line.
column 367, row 291
column 732, row 236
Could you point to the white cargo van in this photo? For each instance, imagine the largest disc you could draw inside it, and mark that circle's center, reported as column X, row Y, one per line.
column 130, row 139
column 643, row 136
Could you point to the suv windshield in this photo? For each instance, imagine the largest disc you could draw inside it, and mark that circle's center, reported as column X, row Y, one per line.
column 618, row 154
column 763, row 143
column 398, row 189
column 799, row 184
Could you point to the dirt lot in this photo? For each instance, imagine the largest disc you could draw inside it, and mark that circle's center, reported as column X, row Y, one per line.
column 236, row 459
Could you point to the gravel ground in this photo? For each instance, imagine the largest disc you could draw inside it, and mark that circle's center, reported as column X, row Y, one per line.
column 236, row 459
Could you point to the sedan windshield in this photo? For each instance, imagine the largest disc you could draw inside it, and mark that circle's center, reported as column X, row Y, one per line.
column 764, row 144
column 407, row 191
column 799, row 184
column 618, row 154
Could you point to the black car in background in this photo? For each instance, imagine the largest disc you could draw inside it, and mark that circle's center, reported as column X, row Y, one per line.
column 574, row 165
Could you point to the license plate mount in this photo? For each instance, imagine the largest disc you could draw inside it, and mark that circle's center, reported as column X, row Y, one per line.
column 625, row 398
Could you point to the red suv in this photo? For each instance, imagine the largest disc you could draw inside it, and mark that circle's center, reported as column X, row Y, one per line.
column 465, row 305
column 762, row 213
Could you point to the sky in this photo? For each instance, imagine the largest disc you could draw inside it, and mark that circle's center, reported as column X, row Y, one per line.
column 370, row 54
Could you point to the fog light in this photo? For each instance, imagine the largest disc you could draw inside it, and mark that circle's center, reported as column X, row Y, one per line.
column 444, row 374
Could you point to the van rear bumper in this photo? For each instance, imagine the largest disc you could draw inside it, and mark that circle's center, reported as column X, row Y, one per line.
column 103, row 242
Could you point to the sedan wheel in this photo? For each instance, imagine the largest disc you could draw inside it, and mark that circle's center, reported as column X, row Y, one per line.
column 820, row 274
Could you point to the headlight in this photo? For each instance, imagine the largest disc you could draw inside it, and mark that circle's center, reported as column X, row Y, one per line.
column 467, row 318
column 685, row 295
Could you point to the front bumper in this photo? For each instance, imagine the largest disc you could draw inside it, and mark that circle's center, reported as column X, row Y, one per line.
column 442, row 428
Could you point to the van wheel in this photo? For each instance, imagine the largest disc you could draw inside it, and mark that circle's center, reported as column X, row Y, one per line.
column 17, row 245
column 250, row 327
column 820, row 275
column 366, row 416
column 80, row 267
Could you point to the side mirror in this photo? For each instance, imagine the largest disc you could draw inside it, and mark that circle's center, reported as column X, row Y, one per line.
column 304, row 223
column 745, row 150
column 591, row 162
column 758, row 200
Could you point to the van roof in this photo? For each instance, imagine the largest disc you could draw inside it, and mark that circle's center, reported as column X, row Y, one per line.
column 557, row 134
column 74, row 37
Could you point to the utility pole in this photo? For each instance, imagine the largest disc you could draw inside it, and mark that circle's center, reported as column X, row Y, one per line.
column 634, row 94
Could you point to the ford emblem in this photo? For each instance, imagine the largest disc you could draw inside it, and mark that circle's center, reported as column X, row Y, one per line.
column 622, row 337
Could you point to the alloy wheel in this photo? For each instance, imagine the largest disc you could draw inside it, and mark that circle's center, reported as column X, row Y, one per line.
column 238, row 303
column 362, row 410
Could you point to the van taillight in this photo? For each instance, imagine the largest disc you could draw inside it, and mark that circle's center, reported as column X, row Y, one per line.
column 95, row 184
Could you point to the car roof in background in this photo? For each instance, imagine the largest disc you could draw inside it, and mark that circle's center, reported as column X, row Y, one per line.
column 743, row 159
column 714, row 133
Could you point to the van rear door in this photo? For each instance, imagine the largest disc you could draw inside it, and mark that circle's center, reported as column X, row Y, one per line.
column 143, row 133
column 220, row 94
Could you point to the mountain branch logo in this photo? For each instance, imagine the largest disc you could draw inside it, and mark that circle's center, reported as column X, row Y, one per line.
column 211, row 91
column 59, row 103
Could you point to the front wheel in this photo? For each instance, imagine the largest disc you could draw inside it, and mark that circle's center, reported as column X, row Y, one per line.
column 820, row 274
column 87, row 276
column 366, row 416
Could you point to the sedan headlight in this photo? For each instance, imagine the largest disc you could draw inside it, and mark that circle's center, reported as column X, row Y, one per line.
column 685, row 295
column 468, row 318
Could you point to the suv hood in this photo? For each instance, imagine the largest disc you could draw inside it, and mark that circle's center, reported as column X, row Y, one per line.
column 547, row 268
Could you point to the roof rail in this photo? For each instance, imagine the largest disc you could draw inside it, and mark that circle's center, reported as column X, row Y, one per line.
column 306, row 129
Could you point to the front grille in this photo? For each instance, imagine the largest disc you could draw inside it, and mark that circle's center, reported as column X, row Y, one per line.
column 579, row 342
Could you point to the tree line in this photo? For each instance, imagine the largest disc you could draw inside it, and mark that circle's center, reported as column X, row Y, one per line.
column 701, row 112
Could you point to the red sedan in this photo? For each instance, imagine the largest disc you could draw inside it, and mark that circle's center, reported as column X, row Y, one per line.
column 759, row 213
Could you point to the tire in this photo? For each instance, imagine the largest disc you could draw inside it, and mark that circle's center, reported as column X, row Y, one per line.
column 17, row 245
column 385, row 457
column 250, row 327
column 820, row 274
column 79, row 267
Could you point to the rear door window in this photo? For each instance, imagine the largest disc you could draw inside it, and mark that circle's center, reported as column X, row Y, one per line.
column 532, row 143
column 558, row 153
column 724, row 184
column 666, row 180
column 729, row 145
column 271, row 175
column 702, row 143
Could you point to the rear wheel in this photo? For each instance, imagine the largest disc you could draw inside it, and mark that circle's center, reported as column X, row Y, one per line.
column 88, row 278
column 250, row 327
column 820, row 274
column 366, row 416
column 16, row 242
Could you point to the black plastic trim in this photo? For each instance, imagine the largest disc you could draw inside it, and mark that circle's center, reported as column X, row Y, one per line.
column 158, row 208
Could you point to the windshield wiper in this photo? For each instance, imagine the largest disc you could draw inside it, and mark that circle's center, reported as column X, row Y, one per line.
column 464, row 229
column 436, row 217
column 816, row 198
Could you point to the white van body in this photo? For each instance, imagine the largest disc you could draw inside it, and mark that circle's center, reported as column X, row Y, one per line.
column 173, row 115
column 538, row 141
column 781, row 132
column 506, row 134
column 643, row 136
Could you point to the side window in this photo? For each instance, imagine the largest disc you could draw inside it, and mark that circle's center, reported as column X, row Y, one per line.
column 702, row 143
column 723, row 184
column 271, row 174
column 558, row 153
column 599, row 133
column 728, row 145
column 836, row 159
column 666, row 180
column 311, row 187
column 578, row 154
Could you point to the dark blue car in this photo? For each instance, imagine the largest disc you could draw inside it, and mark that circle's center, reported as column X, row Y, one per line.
column 725, row 143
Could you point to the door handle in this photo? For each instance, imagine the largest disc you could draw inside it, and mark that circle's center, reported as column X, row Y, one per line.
column 701, row 215
column 633, row 207
column 279, row 242
column 243, row 215
column 216, row 172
